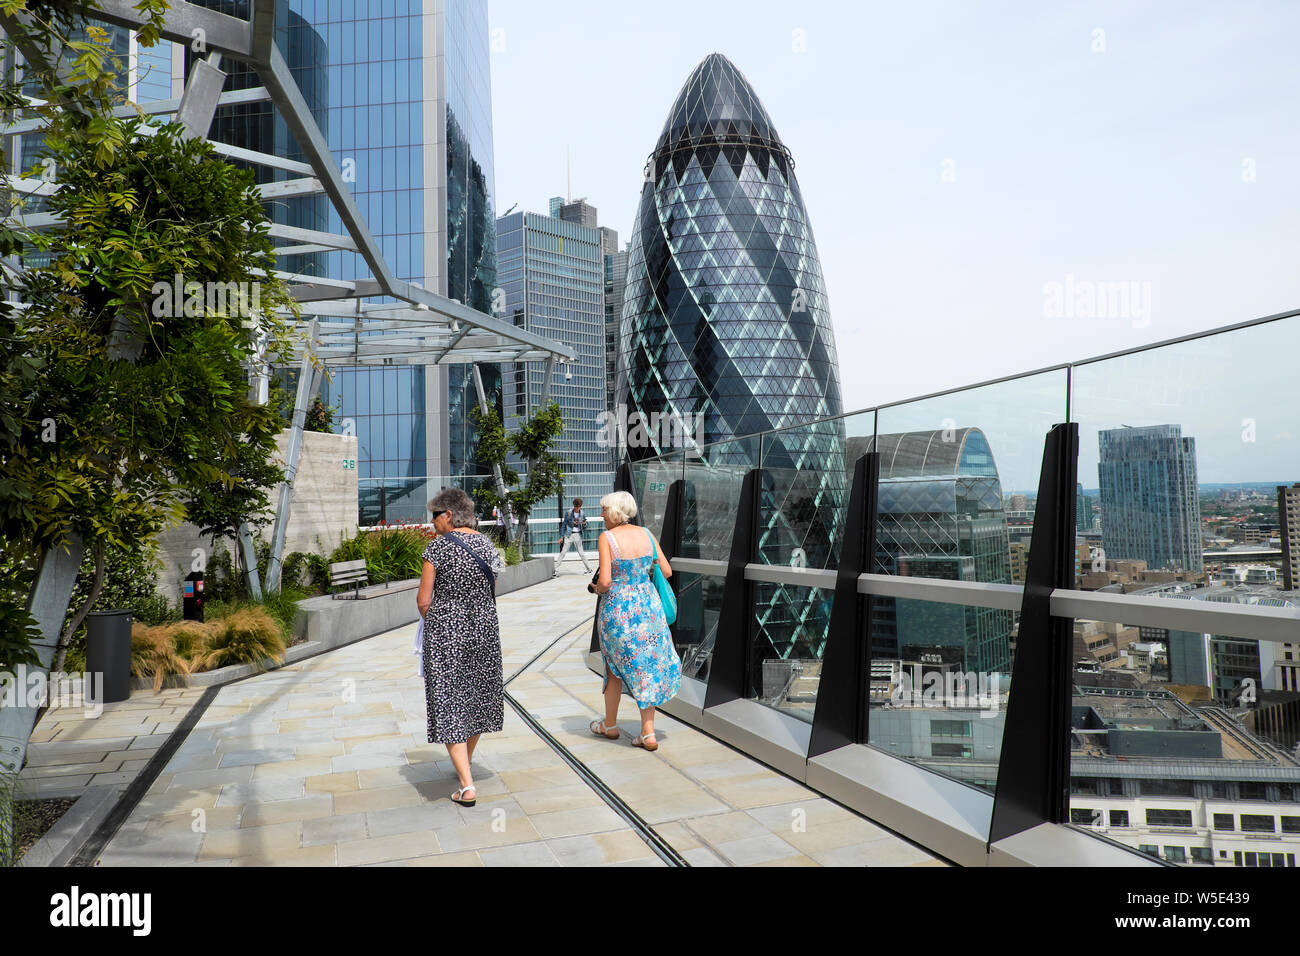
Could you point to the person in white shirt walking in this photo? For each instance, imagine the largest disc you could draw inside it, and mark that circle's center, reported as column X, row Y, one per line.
column 571, row 536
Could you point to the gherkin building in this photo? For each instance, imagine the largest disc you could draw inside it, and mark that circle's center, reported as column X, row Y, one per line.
column 725, row 318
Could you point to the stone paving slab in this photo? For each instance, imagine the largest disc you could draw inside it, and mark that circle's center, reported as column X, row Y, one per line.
column 326, row 762
column 712, row 803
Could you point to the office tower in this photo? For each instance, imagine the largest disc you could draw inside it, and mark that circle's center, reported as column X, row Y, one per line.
column 1082, row 509
column 552, row 275
column 1149, row 506
column 726, row 317
column 260, row 127
column 1288, row 524
column 615, row 263
column 403, row 97
column 940, row 516
column 579, row 211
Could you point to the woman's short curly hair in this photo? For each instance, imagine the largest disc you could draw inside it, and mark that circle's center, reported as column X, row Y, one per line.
column 620, row 508
column 458, row 504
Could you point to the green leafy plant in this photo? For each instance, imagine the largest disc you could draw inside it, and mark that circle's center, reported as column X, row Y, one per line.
column 532, row 441
column 391, row 554
column 320, row 417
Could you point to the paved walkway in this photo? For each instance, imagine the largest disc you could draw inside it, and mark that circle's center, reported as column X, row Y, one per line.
column 71, row 750
column 326, row 762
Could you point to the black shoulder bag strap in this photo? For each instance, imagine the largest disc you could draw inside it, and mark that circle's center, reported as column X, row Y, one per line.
column 483, row 566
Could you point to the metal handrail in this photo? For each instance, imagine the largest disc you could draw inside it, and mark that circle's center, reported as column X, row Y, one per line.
column 1067, row 367
column 1274, row 624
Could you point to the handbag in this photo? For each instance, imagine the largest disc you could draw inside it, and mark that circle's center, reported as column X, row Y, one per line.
column 666, row 596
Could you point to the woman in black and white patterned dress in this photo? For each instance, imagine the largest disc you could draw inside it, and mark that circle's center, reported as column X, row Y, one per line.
column 462, row 642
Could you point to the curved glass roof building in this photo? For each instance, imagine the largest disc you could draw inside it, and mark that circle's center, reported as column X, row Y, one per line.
column 940, row 516
column 725, row 323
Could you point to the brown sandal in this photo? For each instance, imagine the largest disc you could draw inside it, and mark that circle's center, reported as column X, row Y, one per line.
column 640, row 741
column 598, row 728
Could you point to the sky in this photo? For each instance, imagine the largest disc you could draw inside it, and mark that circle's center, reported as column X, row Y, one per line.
column 993, row 188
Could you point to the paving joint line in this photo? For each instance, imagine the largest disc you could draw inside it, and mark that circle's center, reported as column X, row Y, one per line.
column 661, row 847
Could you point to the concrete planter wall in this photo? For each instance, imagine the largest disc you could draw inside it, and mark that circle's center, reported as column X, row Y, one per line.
column 327, row 623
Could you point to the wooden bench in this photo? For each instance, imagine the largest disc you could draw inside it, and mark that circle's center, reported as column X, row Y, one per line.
column 345, row 573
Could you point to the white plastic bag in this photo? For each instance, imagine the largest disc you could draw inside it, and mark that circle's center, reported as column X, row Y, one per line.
column 419, row 647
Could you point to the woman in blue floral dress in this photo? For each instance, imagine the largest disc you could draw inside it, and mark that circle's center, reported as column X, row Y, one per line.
column 634, row 638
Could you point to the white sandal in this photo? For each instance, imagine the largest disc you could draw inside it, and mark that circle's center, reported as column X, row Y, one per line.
column 598, row 728
column 456, row 797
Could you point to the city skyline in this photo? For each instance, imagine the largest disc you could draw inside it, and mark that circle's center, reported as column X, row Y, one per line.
column 988, row 317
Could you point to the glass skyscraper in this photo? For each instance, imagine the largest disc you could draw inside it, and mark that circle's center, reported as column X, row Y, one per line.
column 725, row 317
column 940, row 515
column 401, row 89
column 1149, row 504
column 552, row 274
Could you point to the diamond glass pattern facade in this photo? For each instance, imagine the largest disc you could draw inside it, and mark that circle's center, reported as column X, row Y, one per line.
column 725, row 317
column 940, row 515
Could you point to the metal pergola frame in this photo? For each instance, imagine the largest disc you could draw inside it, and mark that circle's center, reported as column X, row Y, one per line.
column 418, row 328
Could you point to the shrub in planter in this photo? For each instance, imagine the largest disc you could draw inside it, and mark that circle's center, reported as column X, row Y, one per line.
column 391, row 554
column 163, row 650
column 248, row 635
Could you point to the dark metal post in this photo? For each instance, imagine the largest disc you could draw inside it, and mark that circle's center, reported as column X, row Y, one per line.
column 670, row 538
column 729, row 669
column 842, row 692
column 1034, row 767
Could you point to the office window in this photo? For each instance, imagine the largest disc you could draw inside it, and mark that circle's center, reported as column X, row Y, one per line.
column 1291, row 824
column 1083, row 817
column 950, row 750
column 950, row 728
column 1119, row 818
column 1257, row 823
column 1202, row 854
column 1253, row 791
column 1166, row 788
column 1150, row 849
column 1175, row 854
column 1223, row 821
column 1249, row 860
column 1169, row 818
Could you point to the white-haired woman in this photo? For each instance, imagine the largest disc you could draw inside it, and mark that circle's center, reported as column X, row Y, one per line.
column 462, row 641
column 634, row 638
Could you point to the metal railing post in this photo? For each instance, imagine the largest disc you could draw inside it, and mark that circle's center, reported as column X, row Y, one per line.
column 1034, row 765
column 840, row 715
column 729, row 669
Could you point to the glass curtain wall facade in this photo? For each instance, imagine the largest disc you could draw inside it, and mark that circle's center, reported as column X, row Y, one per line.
column 552, row 277
column 940, row 516
column 725, row 328
column 1149, row 505
column 258, row 126
column 402, row 92
column 469, row 219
